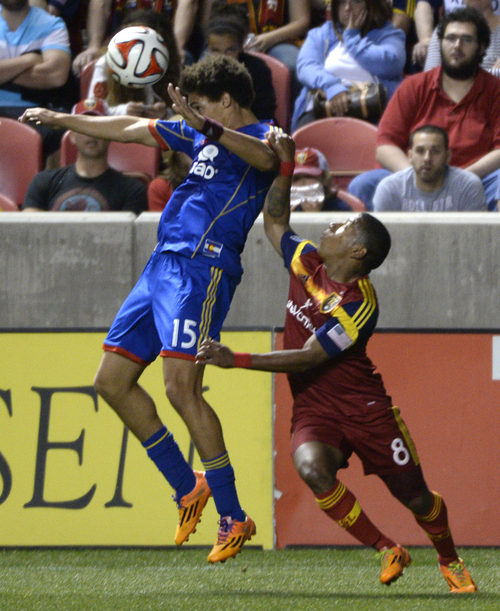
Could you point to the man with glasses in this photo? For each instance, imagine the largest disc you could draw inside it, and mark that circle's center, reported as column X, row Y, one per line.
column 457, row 96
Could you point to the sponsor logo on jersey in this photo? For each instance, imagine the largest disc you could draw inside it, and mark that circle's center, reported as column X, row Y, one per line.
column 300, row 315
column 329, row 303
column 212, row 249
column 203, row 165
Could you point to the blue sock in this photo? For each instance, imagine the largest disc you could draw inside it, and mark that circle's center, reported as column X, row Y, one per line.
column 220, row 478
column 164, row 452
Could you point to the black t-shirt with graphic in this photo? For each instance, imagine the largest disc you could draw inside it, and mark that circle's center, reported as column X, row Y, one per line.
column 64, row 190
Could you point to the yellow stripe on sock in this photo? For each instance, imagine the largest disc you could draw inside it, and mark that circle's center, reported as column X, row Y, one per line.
column 333, row 499
column 351, row 517
column 157, row 442
column 217, row 463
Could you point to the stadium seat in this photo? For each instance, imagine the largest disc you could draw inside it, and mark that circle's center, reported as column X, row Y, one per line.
column 21, row 158
column 348, row 145
column 282, row 83
column 127, row 157
column 356, row 204
column 86, row 79
column 7, row 205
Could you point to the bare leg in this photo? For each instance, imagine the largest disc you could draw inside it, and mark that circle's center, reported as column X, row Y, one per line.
column 183, row 383
column 116, row 382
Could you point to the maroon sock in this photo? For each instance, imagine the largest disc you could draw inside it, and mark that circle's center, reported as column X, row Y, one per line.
column 341, row 505
column 435, row 524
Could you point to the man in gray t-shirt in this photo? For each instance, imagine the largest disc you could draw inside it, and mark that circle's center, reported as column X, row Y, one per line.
column 430, row 184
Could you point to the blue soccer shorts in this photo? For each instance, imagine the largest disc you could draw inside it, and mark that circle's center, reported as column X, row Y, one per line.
column 176, row 304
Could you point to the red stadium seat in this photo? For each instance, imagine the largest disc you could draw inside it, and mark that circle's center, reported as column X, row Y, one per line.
column 348, row 144
column 356, row 204
column 21, row 158
column 7, row 205
column 127, row 157
column 282, row 82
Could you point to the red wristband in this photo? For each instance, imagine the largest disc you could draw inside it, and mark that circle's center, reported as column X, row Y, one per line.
column 243, row 360
column 211, row 129
column 287, row 168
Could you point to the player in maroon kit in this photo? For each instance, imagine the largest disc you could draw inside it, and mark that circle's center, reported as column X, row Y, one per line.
column 340, row 404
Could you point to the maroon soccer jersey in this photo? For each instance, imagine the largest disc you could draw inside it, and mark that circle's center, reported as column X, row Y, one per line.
column 343, row 317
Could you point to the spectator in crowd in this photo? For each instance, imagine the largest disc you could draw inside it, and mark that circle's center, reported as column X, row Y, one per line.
column 311, row 184
column 491, row 61
column 458, row 96
column 73, row 13
column 359, row 44
column 35, row 62
column 426, row 17
column 275, row 28
column 226, row 32
column 106, row 16
column 430, row 184
column 175, row 166
column 89, row 185
column 427, row 14
column 151, row 101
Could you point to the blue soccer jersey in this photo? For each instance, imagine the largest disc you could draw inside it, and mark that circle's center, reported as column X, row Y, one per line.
column 210, row 214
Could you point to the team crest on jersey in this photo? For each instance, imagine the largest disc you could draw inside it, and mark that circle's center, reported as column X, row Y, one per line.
column 303, row 278
column 329, row 303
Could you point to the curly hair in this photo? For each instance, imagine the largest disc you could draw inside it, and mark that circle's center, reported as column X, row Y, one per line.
column 379, row 12
column 216, row 75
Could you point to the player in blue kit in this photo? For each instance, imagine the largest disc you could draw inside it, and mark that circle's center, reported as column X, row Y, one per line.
column 186, row 288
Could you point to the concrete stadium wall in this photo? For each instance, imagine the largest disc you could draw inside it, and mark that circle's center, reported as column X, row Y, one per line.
column 73, row 271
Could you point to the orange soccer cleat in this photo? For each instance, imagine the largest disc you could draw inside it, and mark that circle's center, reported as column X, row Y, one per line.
column 458, row 577
column 394, row 561
column 230, row 538
column 190, row 508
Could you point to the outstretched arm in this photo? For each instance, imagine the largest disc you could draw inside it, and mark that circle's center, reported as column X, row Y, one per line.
column 121, row 128
column 280, row 361
column 277, row 205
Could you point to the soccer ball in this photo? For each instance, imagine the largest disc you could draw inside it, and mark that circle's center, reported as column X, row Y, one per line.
column 137, row 56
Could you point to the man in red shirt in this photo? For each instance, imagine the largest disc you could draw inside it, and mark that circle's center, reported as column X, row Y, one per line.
column 340, row 403
column 458, row 96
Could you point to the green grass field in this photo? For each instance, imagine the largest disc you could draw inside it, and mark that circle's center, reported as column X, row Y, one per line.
column 295, row 580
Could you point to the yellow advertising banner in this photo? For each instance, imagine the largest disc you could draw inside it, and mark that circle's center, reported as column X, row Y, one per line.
column 71, row 475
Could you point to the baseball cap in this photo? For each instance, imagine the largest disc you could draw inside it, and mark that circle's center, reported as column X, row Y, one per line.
column 310, row 162
column 89, row 107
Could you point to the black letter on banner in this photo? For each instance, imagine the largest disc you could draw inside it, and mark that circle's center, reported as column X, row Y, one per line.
column 117, row 500
column 44, row 445
column 5, row 472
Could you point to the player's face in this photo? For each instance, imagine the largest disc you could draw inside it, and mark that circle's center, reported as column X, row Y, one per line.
column 338, row 239
column 429, row 157
column 224, row 44
column 212, row 110
column 460, row 50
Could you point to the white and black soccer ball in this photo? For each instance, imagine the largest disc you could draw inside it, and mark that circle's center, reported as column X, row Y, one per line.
column 137, row 56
